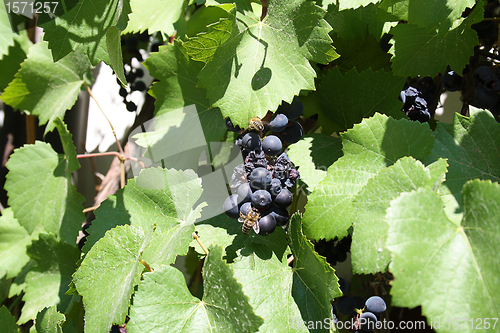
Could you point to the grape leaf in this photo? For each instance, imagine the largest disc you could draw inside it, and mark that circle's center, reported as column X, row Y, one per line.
column 154, row 15
column 10, row 64
column 13, row 242
column 353, row 4
column 108, row 274
column 164, row 304
column 354, row 23
column 44, row 88
column 6, row 33
column 472, row 147
column 433, row 254
column 313, row 155
column 415, row 48
column 428, row 13
column 362, row 55
column 203, row 18
column 251, row 83
column 164, row 197
column 113, row 53
column 369, row 147
column 396, row 9
column 339, row 96
column 8, row 321
column 49, row 321
column 85, row 23
column 47, row 282
column 177, row 89
column 368, row 251
column 294, row 295
column 34, row 171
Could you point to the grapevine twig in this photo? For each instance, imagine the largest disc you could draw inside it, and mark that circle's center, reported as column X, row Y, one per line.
column 195, row 236
column 289, row 260
column 147, row 266
column 114, row 153
column 90, row 209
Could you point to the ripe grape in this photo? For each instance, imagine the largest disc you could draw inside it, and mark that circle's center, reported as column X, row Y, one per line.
column 280, row 215
column 260, row 179
column 292, row 111
column 283, row 199
column 130, row 77
column 251, row 141
column 123, row 92
column 375, row 304
column 293, row 133
column 267, row 224
column 279, row 123
column 138, row 86
column 244, row 193
column 344, row 286
column 367, row 322
column 451, row 81
column 261, row 199
column 360, row 302
column 131, row 106
column 275, row 187
column 139, row 72
column 231, row 206
column 346, row 305
column 271, row 145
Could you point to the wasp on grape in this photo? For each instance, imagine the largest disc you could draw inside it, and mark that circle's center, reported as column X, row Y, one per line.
column 250, row 220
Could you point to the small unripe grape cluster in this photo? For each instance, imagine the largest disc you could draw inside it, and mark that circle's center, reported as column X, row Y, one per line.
column 261, row 186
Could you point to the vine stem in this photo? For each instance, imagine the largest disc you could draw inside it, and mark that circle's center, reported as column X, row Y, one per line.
column 195, row 236
column 113, row 153
column 121, row 156
column 147, row 266
column 264, row 9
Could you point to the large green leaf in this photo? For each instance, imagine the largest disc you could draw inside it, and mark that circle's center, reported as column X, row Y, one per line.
column 108, row 274
column 177, row 89
column 84, row 24
column 40, row 191
column 48, row 281
column 354, row 23
column 368, row 251
column 44, row 88
column 369, row 147
column 293, row 297
column 8, row 321
column 265, row 62
column 13, row 242
column 10, row 64
column 472, row 147
column 164, row 197
column 164, row 304
column 347, row 99
column 446, row 268
column 415, row 48
column 154, row 15
column 313, row 155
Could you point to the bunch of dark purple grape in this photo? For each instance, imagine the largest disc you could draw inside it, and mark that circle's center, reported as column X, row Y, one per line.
column 417, row 99
column 261, row 186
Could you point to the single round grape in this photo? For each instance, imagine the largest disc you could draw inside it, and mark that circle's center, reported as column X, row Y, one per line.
column 260, row 179
column 123, row 92
column 293, row 133
column 131, row 106
column 261, row 199
column 292, row 111
column 284, row 198
column 344, row 285
column 251, row 141
column 138, row 86
column 267, row 224
column 279, row 123
column 271, row 145
column 275, row 187
column 451, row 81
column 244, row 193
column 139, row 72
column 367, row 322
column 245, row 208
column 231, row 206
column 375, row 304
column 346, row 305
column 130, row 77
column 360, row 302
column 280, row 215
